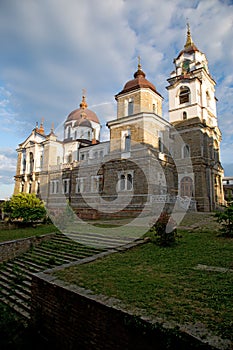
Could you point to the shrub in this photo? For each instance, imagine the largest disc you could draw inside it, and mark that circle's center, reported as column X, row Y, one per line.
column 25, row 208
column 225, row 218
column 163, row 232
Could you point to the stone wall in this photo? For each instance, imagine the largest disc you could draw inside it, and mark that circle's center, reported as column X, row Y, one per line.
column 11, row 249
column 70, row 317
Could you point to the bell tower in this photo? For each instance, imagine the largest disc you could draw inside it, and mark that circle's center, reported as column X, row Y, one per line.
column 191, row 88
column 192, row 111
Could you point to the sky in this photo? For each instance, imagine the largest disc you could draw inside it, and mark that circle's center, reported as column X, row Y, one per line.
column 52, row 49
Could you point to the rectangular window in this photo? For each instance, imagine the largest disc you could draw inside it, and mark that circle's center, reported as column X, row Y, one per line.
column 96, row 183
column 54, row 186
column 80, row 185
column 66, row 186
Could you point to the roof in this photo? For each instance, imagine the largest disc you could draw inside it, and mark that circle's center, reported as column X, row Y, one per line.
column 139, row 81
column 82, row 113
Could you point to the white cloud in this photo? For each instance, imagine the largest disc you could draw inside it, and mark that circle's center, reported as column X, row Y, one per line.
column 56, row 48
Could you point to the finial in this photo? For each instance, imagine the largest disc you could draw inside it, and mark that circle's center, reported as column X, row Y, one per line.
column 83, row 104
column 36, row 126
column 52, row 128
column 41, row 129
column 189, row 40
column 139, row 63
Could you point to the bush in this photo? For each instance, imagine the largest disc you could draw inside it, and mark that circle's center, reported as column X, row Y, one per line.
column 163, row 232
column 25, row 208
column 225, row 218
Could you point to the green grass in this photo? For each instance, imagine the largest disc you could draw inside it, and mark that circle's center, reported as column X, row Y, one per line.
column 8, row 235
column 163, row 282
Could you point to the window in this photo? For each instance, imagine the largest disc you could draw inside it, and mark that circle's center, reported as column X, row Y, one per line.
column 130, row 106
column 66, row 186
column 155, row 107
column 96, row 183
column 160, row 141
column 38, row 187
column 186, row 187
column 31, row 162
column 80, row 185
column 184, row 94
column 125, row 181
column 68, row 132
column 89, row 135
column 22, row 186
column 54, row 186
column 207, row 99
column 24, row 165
column 30, row 187
column 184, row 115
column 127, row 142
column 186, row 151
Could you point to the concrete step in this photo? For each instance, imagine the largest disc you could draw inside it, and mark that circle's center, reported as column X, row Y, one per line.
column 65, row 254
column 15, row 290
column 16, row 307
column 9, row 278
column 46, row 253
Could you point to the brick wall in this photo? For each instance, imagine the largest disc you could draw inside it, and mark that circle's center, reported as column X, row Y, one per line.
column 70, row 317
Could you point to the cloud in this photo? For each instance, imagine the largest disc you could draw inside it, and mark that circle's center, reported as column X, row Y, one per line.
column 56, row 48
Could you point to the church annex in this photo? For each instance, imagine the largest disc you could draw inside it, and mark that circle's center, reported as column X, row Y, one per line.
column 146, row 162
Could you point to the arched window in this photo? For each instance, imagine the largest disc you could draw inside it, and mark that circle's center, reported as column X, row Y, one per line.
column 68, row 132
column 130, row 106
column 127, row 142
column 186, row 151
column 89, row 135
column 186, row 187
column 184, row 95
column 184, row 115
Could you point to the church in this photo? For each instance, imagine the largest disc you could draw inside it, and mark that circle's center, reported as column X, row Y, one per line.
column 148, row 162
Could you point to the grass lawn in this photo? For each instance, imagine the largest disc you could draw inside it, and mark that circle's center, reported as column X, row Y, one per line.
column 164, row 283
column 8, row 235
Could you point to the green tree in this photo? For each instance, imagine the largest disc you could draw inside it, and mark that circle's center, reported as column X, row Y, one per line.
column 225, row 218
column 25, row 208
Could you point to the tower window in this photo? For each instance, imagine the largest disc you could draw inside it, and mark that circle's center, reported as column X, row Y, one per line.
column 127, row 142
column 130, row 107
column 184, row 95
column 68, row 132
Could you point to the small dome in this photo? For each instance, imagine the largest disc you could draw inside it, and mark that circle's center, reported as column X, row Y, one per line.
column 82, row 112
column 139, row 81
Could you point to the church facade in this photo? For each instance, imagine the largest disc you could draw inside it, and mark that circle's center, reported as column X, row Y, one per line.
column 148, row 161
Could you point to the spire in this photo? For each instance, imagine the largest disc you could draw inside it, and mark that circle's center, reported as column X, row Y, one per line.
column 189, row 41
column 83, row 104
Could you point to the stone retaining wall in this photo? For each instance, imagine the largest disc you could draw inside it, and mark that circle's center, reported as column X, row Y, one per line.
column 11, row 249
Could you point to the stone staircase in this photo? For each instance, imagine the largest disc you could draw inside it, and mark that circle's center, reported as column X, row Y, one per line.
column 15, row 274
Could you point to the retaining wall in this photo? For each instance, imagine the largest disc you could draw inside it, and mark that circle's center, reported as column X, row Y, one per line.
column 11, row 249
column 70, row 317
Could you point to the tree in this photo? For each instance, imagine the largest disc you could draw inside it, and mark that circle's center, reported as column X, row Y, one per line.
column 25, row 208
column 225, row 218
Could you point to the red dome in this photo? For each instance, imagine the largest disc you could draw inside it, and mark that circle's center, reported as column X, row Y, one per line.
column 79, row 113
column 139, row 81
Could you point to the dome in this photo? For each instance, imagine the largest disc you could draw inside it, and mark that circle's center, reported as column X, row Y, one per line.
column 82, row 113
column 139, row 81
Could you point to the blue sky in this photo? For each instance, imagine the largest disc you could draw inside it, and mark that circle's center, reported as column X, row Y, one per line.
column 52, row 49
